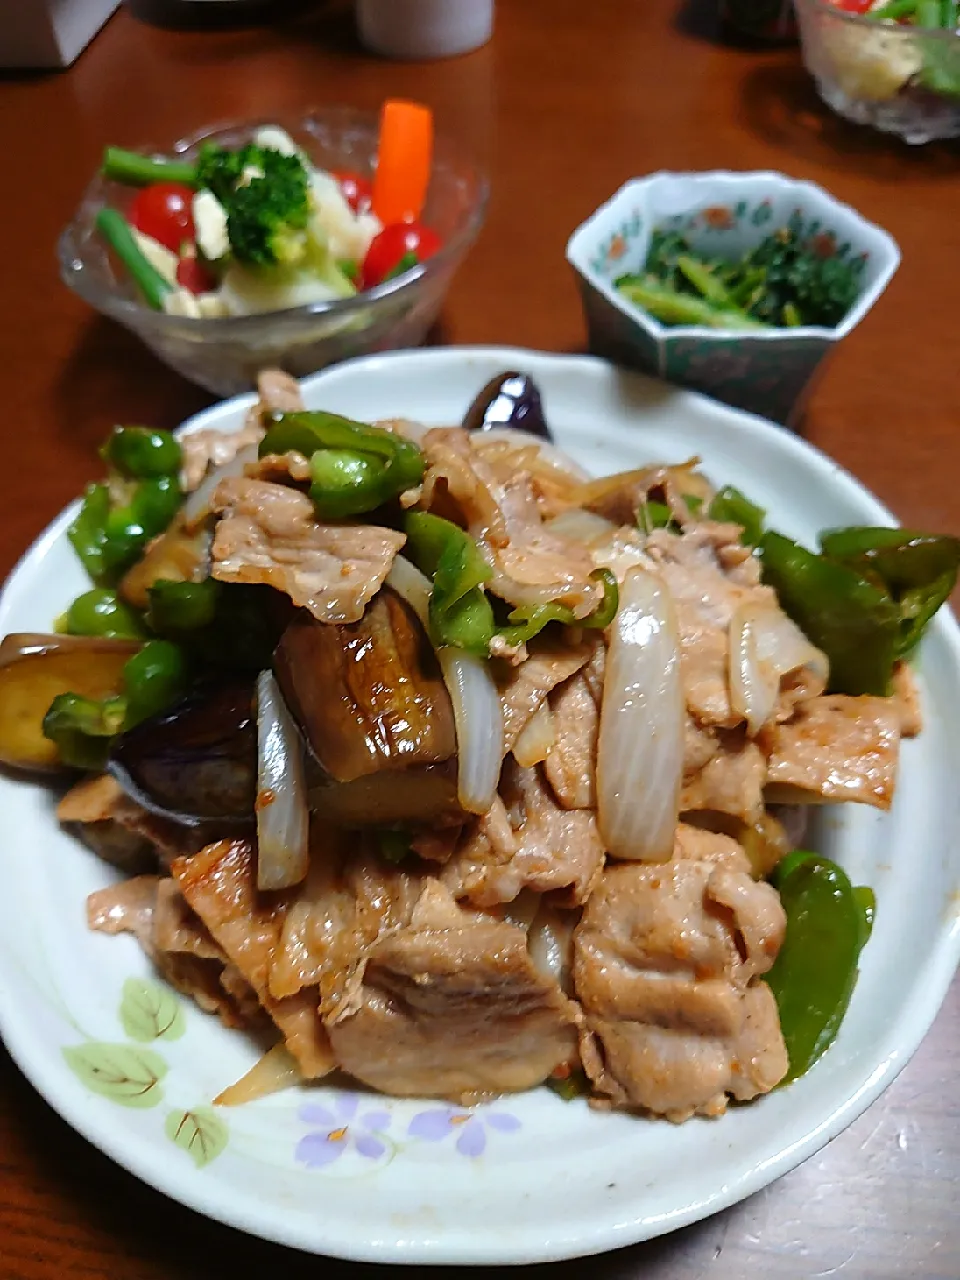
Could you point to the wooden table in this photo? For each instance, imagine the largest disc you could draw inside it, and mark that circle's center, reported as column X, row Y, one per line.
column 567, row 102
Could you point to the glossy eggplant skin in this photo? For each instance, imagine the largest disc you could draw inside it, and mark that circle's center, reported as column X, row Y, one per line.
column 196, row 763
column 511, row 399
column 368, row 696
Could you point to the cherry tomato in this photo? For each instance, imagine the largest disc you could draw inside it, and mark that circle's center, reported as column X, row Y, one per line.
column 357, row 191
column 853, row 6
column 194, row 276
column 394, row 243
column 164, row 211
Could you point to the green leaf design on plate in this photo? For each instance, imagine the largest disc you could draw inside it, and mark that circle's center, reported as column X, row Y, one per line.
column 120, row 1072
column 201, row 1133
column 150, row 1012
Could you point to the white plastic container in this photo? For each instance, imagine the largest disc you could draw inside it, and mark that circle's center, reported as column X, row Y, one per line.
column 420, row 29
column 49, row 33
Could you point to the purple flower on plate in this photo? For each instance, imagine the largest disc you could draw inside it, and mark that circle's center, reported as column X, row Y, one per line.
column 341, row 1126
column 470, row 1127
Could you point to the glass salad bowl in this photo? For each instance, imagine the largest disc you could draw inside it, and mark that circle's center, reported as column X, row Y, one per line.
column 224, row 354
column 903, row 80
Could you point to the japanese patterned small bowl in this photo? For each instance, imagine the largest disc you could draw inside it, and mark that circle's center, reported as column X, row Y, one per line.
column 722, row 214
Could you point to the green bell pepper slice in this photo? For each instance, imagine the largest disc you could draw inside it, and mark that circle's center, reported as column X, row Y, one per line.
column 919, row 570
column 100, row 612
column 529, row 620
column 140, row 452
column 83, row 728
column 854, row 622
column 730, row 506
column 178, row 607
column 814, row 975
column 88, row 533
column 108, row 538
column 460, row 614
column 355, row 467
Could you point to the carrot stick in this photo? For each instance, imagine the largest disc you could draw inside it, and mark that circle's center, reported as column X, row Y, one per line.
column 403, row 161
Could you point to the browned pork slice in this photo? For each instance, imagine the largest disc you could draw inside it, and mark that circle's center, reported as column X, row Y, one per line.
column 526, row 687
column 835, row 749
column 621, row 497
column 211, row 448
column 709, row 574
column 219, row 883
column 730, row 781
column 178, row 946
column 349, row 900
column 666, row 965
column 531, row 564
column 571, row 765
column 531, row 844
column 452, row 1006
column 268, row 533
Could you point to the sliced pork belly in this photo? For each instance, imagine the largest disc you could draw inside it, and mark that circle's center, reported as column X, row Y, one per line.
column 666, row 968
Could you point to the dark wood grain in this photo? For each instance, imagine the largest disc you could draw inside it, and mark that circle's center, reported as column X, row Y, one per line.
column 567, row 102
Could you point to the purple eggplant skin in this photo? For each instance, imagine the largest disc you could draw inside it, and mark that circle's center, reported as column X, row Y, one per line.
column 511, row 399
column 196, row 762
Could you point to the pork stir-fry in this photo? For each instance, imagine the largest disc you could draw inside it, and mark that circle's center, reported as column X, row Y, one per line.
column 464, row 771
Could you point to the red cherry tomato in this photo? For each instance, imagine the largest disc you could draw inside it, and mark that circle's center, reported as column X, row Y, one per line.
column 194, row 276
column 164, row 211
column 853, row 6
column 357, row 191
column 394, row 243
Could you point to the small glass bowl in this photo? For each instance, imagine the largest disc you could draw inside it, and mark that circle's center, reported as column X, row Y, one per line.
column 224, row 355
column 899, row 79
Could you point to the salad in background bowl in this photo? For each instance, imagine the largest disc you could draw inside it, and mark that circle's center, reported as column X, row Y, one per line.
column 778, row 272
column 890, row 64
column 296, row 242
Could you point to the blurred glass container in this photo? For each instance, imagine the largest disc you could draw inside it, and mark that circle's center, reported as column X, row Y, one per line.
column 903, row 80
column 421, row 29
column 763, row 21
column 225, row 354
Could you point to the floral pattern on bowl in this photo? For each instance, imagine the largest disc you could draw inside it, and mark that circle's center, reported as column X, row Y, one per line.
column 768, row 373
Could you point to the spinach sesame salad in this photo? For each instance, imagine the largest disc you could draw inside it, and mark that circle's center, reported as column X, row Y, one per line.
column 791, row 278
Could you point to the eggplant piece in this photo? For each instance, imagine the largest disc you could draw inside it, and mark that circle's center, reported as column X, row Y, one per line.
column 511, row 399
column 177, row 555
column 196, row 762
column 368, row 696
column 423, row 795
column 35, row 669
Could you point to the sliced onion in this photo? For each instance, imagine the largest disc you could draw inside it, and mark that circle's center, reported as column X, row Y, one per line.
column 581, row 526
column 276, row 1070
column 550, row 943
column 536, row 738
column 282, row 816
column 477, row 710
column 478, row 714
column 765, row 646
column 640, row 750
column 196, row 506
column 411, row 585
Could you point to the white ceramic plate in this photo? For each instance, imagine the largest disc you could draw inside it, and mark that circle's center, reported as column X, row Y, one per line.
column 530, row 1178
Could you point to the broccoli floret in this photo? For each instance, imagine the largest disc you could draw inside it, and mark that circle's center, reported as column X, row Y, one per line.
column 266, row 198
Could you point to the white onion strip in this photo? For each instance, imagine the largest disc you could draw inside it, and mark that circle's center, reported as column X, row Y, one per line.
column 477, row 710
column 640, row 751
column 283, row 820
column 536, row 738
column 765, row 646
column 275, row 1071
